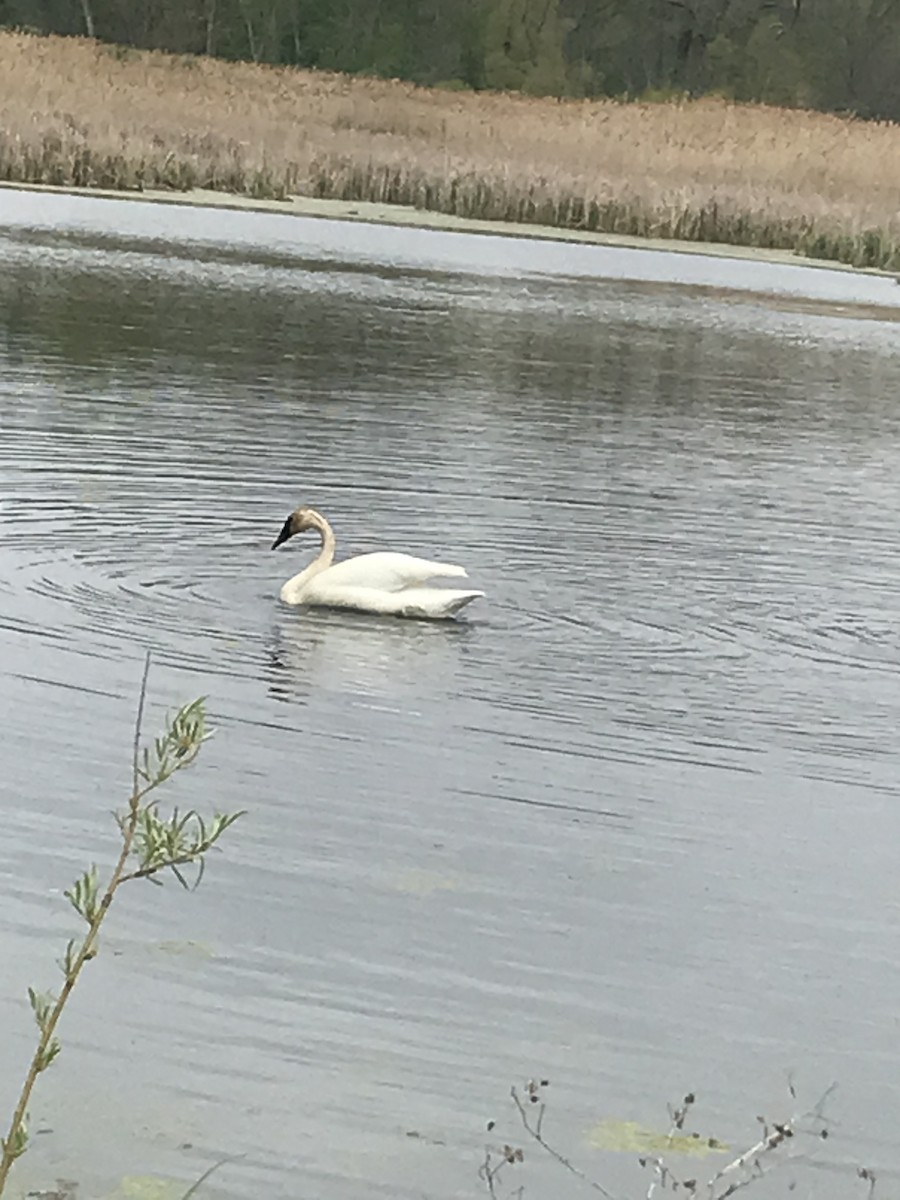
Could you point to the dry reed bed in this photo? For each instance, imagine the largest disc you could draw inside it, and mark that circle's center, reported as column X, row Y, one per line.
column 79, row 113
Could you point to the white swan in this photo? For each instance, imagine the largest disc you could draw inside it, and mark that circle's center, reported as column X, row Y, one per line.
column 387, row 583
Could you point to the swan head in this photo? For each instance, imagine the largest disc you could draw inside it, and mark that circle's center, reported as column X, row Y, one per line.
column 299, row 520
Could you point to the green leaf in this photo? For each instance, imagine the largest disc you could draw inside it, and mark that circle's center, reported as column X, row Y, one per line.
column 84, row 895
column 18, row 1143
column 67, row 963
column 42, row 1006
column 53, row 1048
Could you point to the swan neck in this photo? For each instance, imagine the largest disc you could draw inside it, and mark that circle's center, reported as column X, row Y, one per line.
column 326, row 553
column 293, row 591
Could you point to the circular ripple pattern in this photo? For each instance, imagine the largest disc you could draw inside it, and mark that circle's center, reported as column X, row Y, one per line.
column 129, row 569
column 156, row 534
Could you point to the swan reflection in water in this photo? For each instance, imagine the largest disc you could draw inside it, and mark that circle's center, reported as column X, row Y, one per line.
column 367, row 657
column 384, row 583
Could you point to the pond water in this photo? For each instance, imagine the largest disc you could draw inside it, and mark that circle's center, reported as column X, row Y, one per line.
column 630, row 824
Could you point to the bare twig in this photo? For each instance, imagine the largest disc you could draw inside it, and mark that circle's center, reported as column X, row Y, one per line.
column 746, row 1168
column 489, row 1170
column 754, row 1160
column 532, row 1090
column 663, row 1175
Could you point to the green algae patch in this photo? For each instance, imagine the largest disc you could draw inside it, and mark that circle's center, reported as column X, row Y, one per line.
column 630, row 1137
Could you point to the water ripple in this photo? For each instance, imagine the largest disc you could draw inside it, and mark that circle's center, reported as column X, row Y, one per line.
column 662, row 753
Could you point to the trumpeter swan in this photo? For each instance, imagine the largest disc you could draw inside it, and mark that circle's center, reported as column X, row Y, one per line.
column 387, row 583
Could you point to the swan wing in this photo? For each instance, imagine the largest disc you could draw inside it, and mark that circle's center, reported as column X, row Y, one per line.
column 384, row 572
column 426, row 602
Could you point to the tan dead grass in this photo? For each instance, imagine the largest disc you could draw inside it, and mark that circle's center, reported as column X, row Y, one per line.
column 79, row 113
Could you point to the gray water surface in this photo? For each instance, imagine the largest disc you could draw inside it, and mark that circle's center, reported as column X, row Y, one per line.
column 631, row 824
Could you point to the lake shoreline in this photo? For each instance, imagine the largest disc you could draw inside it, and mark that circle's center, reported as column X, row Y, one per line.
column 402, row 216
column 775, row 184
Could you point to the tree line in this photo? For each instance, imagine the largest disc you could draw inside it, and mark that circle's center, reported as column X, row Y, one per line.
column 834, row 55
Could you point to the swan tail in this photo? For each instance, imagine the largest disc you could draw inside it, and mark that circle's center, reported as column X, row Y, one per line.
column 461, row 599
column 436, row 603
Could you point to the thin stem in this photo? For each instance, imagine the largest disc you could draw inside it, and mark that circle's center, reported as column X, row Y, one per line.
column 138, row 722
column 487, row 1173
column 198, row 1183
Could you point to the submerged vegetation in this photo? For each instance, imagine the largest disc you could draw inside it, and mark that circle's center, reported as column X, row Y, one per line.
column 77, row 113
column 151, row 843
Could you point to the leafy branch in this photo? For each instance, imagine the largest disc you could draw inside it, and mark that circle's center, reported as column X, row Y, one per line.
column 151, row 844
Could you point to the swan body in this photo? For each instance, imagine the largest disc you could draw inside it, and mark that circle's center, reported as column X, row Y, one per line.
column 385, row 583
